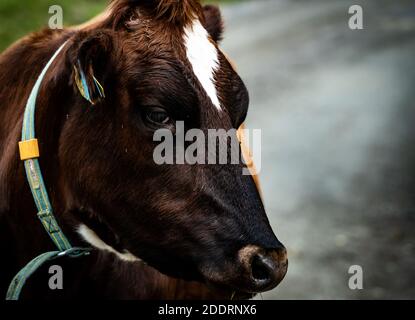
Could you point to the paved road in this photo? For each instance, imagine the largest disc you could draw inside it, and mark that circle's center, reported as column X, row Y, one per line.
column 337, row 109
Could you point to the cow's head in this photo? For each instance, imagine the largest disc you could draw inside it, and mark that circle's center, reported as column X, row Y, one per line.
column 159, row 62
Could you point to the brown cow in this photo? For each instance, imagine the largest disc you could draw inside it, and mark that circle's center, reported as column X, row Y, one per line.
column 159, row 62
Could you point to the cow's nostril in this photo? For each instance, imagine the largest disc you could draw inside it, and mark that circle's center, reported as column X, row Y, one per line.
column 260, row 268
column 263, row 268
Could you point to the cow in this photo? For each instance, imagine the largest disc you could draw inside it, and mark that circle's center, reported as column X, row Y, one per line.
column 176, row 231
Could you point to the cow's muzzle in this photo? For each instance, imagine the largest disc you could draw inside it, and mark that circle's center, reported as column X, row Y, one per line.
column 262, row 269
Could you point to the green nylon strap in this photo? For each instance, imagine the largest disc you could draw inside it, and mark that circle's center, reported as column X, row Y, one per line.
column 16, row 286
column 33, row 172
column 41, row 198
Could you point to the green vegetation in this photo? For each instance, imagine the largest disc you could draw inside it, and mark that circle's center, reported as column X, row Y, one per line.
column 19, row 17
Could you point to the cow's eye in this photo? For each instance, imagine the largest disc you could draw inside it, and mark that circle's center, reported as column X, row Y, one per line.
column 157, row 116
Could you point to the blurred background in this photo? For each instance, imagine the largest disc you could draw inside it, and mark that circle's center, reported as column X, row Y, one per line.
column 337, row 112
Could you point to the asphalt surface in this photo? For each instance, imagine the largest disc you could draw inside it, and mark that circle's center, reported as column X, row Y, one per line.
column 337, row 113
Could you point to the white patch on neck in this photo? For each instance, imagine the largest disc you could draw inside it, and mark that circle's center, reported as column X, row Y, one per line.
column 203, row 57
column 92, row 238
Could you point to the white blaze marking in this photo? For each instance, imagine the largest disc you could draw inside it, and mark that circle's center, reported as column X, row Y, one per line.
column 203, row 57
column 92, row 238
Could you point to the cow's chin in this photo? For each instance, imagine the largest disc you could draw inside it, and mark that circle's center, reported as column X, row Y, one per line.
column 226, row 290
column 98, row 236
column 229, row 293
column 217, row 289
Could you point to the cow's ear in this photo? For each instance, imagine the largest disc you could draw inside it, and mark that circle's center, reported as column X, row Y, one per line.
column 213, row 22
column 90, row 57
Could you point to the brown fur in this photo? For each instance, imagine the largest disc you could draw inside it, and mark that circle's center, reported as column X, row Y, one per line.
column 178, row 12
column 186, row 222
column 213, row 22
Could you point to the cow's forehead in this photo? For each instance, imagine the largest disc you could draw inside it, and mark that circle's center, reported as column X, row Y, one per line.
column 203, row 57
column 190, row 45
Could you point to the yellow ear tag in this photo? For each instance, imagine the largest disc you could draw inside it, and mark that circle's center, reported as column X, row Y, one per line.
column 82, row 86
column 100, row 88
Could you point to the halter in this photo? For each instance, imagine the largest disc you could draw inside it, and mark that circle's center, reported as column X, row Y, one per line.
column 29, row 153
